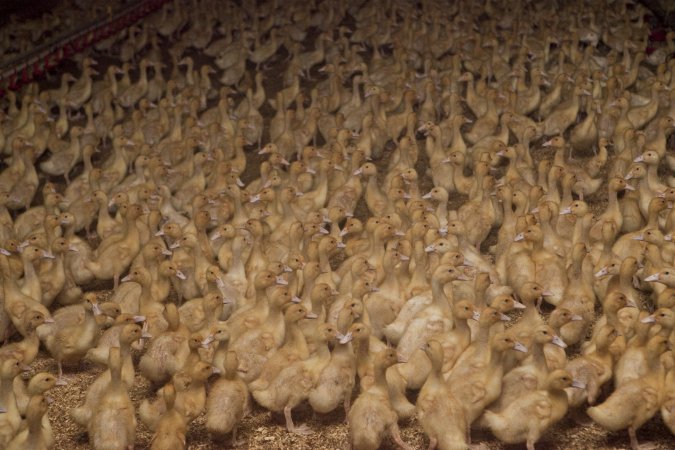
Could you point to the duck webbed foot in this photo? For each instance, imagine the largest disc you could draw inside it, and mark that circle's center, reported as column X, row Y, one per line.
column 234, row 442
column 634, row 445
column 302, row 429
column 396, row 436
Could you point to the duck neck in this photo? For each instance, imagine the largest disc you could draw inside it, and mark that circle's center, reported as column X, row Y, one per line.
column 625, row 281
column 538, row 356
column 552, row 186
column 652, row 175
column 496, row 360
column 363, row 351
column 295, row 338
column 324, row 262
column 462, row 327
column 530, row 315
column 380, row 379
column 6, row 392
column 507, row 205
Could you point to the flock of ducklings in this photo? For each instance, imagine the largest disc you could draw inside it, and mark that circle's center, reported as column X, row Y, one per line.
column 20, row 35
column 425, row 171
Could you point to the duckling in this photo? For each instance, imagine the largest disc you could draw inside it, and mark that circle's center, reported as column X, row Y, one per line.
column 434, row 318
column 556, row 358
column 190, row 400
column 27, row 349
column 166, row 353
column 372, row 416
column 439, row 412
column 228, row 401
column 39, row 384
column 533, row 372
column 10, row 419
column 130, row 333
column 73, row 332
column 478, row 382
column 111, row 336
column 17, row 305
column 668, row 404
column 293, row 383
column 415, row 370
column 172, row 426
column 200, row 313
column 111, row 260
column 530, row 415
column 642, row 394
column 34, row 436
column 594, row 369
column 254, row 346
column 336, row 381
column 113, row 420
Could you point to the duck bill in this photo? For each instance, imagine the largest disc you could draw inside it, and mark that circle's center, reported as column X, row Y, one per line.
column 653, row 277
column 345, row 338
column 520, row 347
column 559, row 342
column 578, row 384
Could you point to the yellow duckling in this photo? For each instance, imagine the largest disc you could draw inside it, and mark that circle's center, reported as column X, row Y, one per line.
column 478, row 382
column 636, row 401
column 113, row 420
column 10, row 419
column 129, row 334
column 114, row 257
column 27, row 349
column 228, row 401
column 33, row 436
column 166, row 353
column 190, row 400
column 39, row 384
column 593, row 369
column 372, row 416
column 533, row 373
column 668, row 404
column 112, row 336
column 293, row 383
column 527, row 417
column 439, row 412
column 337, row 379
column 172, row 426
column 73, row 332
